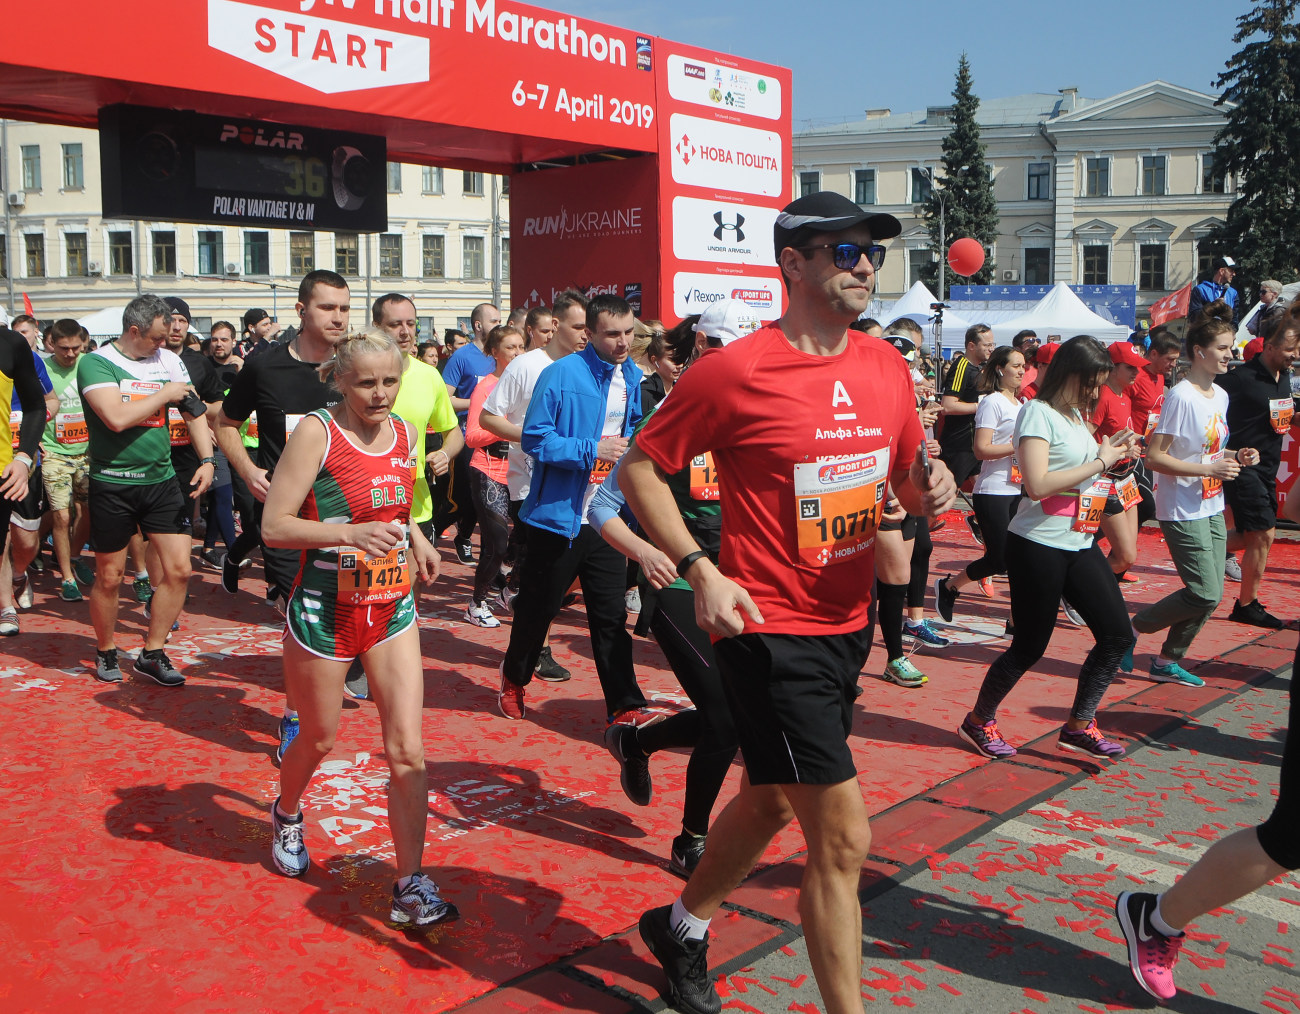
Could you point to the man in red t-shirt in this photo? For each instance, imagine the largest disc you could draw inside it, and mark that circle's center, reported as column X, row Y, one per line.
column 1114, row 414
column 1148, row 391
column 806, row 428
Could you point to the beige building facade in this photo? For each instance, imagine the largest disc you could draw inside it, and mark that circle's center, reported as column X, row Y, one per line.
column 447, row 244
column 1113, row 191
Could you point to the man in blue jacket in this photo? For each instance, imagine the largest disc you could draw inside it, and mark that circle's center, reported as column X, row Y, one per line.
column 1218, row 286
column 584, row 409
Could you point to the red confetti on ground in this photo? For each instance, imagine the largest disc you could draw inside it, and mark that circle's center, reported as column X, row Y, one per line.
column 1033, row 994
column 795, row 983
column 949, row 988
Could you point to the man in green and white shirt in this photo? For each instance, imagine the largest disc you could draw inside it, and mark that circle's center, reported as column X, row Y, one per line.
column 65, row 470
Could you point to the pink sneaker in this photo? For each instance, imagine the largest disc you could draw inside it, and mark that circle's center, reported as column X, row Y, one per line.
column 1151, row 954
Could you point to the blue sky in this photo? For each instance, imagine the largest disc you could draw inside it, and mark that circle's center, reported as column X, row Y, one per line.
column 851, row 56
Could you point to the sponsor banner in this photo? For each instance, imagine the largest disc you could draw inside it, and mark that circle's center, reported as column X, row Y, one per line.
column 722, row 232
column 695, row 292
column 726, row 157
column 727, row 89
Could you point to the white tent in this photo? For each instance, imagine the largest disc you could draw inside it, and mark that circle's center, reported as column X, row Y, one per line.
column 1061, row 312
column 104, row 323
column 915, row 303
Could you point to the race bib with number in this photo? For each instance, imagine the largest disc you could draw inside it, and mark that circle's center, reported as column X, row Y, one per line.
column 138, row 390
column 1127, row 491
column 1153, row 420
column 250, row 430
column 838, row 503
column 1016, row 478
column 1092, row 504
column 704, row 478
column 602, row 469
column 177, row 427
column 70, row 428
column 1210, row 486
column 15, row 424
column 290, row 424
column 364, row 581
column 1280, row 411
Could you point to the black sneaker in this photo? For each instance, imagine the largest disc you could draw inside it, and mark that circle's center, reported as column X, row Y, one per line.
column 621, row 742
column 548, row 670
column 158, row 667
column 1256, row 615
column 230, row 575
column 687, row 850
column 464, row 551
column 944, row 598
column 685, row 962
column 106, row 667
column 974, row 527
column 355, row 685
column 214, row 558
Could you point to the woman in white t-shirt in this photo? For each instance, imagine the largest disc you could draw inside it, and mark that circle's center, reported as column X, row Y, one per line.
column 997, row 489
column 1050, row 551
column 1188, row 451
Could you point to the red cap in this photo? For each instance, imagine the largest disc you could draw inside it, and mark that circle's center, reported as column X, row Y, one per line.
column 1045, row 354
column 1253, row 348
column 1124, row 352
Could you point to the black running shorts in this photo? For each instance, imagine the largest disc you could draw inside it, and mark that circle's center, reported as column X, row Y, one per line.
column 1252, row 495
column 791, row 696
column 117, row 511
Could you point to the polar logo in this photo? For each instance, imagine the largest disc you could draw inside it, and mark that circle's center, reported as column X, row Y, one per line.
column 724, row 226
column 260, row 137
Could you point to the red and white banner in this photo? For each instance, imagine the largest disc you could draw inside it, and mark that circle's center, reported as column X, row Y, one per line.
column 1172, row 306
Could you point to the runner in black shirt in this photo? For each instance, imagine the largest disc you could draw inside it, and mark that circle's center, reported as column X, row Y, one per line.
column 960, row 399
column 1259, row 416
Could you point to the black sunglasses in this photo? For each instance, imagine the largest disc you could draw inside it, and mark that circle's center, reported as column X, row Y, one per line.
column 847, row 255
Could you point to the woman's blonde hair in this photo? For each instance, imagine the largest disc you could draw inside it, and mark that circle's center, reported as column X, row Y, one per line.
column 373, row 341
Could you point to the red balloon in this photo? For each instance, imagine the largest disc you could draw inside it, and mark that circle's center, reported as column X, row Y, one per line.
column 965, row 256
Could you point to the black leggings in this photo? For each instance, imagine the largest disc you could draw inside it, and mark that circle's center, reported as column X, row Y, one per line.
column 891, row 598
column 708, row 730
column 994, row 512
column 1039, row 576
column 492, row 506
column 1279, row 836
column 922, row 548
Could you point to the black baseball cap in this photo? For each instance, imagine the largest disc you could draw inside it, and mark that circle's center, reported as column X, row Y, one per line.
column 1223, row 262
column 827, row 211
column 906, row 347
column 179, row 305
column 254, row 316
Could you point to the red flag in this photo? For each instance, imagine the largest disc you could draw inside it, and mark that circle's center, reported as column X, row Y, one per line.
column 27, row 306
column 1171, row 306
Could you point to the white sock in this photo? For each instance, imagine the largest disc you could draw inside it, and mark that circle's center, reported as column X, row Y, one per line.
column 402, row 882
column 1136, row 635
column 1165, row 663
column 142, row 574
column 1158, row 922
column 290, row 714
column 291, row 817
column 684, row 925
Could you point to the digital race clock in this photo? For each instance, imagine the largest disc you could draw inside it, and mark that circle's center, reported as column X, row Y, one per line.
column 176, row 166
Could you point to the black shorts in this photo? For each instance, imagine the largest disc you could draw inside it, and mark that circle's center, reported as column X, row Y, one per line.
column 792, row 699
column 1252, row 495
column 961, row 462
column 28, row 511
column 118, row 511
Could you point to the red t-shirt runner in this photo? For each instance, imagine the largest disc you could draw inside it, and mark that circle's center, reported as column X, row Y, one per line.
column 1147, row 394
column 805, row 444
column 1114, row 413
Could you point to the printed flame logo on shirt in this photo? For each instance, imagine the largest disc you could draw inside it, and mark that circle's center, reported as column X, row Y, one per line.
column 842, row 470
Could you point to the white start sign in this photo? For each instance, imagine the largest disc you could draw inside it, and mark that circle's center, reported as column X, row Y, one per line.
column 725, row 157
column 695, row 292
column 726, row 89
column 720, row 231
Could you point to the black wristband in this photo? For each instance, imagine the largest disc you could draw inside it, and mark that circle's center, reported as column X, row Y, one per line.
column 685, row 563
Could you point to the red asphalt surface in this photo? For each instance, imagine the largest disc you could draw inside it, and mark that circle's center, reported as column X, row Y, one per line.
column 137, row 833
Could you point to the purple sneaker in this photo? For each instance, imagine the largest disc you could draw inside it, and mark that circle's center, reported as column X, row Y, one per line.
column 1089, row 740
column 1151, row 954
column 986, row 739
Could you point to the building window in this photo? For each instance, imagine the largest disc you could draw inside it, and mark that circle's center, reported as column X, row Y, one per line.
column 472, row 254
column 1204, row 261
column 917, row 261
column 1040, row 181
column 164, row 253
column 31, row 166
column 120, row 260
column 430, row 180
column 75, row 245
column 864, row 186
column 73, row 176
column 809, row 183
column 1038, row 265
column 1153, row 175
column 257, row 253
column 1213, row 180
column 1151, row 267
column 302, row 253
column 35, row 255
column 394, row 177
column 1097, row 178
column 211, row 261
column 505, row 185
column 347, row 256
column 390, row 255
column 505, row 256
column 4, row 256
column 424, row 330
column 921, row 185
column 472, row 183
column 1096, row 265
column 433, row 263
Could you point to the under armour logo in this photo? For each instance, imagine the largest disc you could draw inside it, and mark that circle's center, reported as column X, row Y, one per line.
column 685, row 149
column 729, row 227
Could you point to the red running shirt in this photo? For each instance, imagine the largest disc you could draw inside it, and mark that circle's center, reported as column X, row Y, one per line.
column 1114, row 413
column 1147, row 394
column 803, row 444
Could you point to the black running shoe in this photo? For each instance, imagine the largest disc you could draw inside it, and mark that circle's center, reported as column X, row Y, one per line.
column 974, row 527
column 158, row 667
column 685, row 963
column 464, row 551
column 230, row 575
column 621, row 742
column 688, row 849
column 1256, row 615
column 944, row 598
column 106, row 668
column 548, row 670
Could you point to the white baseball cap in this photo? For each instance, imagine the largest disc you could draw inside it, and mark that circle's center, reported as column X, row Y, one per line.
column 728, row 320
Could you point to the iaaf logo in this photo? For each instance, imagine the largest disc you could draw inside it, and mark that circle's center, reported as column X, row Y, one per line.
column 841, row 471
column 734, row 227
column 259, row 137
column 694, row 70
column 604, row 222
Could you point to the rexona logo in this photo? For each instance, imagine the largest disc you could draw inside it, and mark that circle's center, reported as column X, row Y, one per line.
column 726, row 156
column 585, row 224
column 327, row 55
column 695, row 292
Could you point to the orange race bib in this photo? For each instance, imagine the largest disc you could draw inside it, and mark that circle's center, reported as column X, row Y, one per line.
column 364, row 581
column 251, row 430
column 70, row 428
column 1127, row 491
column 704, row 478
column 138, row 390
column 290, row 424
column 1280, row 411
column 1092, row 504
column 177, row 428
column 1210, row 486
column 838, row 503
column 1016, row 478
column 602, row 469
column 15, row 424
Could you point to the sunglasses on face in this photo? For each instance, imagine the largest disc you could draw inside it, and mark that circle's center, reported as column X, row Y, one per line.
column 847, row 255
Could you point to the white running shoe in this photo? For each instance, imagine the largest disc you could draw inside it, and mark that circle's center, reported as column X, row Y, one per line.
column 480, row 615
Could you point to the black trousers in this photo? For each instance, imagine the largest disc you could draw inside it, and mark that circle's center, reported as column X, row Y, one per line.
column 550, row 564
column 459, row 505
